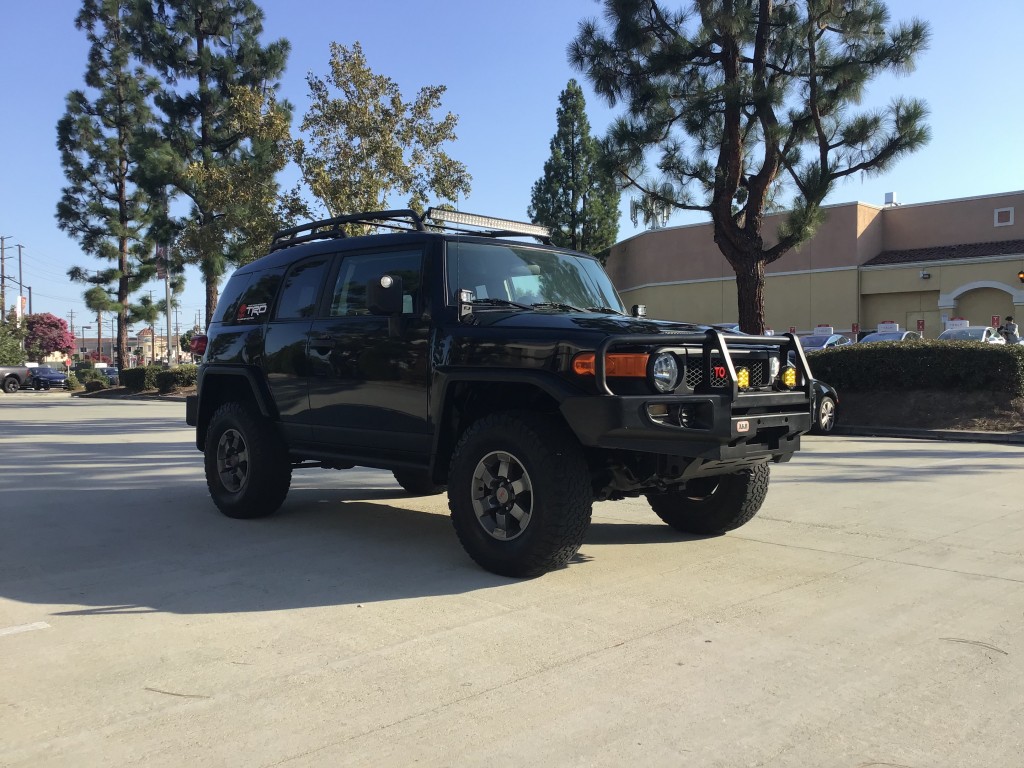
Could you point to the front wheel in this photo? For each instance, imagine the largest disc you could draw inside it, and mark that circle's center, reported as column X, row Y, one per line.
column 519, row 494
column 713, row 505
column 825, row 416
column 248, row 470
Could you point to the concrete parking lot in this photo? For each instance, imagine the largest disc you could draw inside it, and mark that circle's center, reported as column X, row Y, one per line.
column 871, row 615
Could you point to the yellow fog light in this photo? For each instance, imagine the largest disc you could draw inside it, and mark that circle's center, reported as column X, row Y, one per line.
column 788, row 377
column 742, row 378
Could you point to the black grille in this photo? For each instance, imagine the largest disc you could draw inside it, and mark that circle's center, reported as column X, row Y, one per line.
column 759, row 373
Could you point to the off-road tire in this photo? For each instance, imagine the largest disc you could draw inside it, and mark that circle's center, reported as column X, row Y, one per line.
column 417, row 482
column 559, row 496
column 713, row 505
column 11, row 385
column 824, row 416
column 248, row 470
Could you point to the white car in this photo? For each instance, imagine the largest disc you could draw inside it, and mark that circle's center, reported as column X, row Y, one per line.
column 986, row 334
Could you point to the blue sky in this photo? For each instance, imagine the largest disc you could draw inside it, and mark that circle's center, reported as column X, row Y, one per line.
column 504, row 65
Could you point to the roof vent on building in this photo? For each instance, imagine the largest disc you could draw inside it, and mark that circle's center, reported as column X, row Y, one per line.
column 890, row 198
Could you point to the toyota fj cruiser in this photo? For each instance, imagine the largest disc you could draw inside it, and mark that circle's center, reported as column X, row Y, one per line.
column 459, row 357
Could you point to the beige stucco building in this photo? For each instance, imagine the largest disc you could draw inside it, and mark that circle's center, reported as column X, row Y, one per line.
column 927, row 262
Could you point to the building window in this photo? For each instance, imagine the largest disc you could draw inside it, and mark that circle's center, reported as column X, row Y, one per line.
column 1003, row 217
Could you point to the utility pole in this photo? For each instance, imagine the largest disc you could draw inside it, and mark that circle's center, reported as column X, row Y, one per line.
column 21, row 283
column 99, row 336
column 3, row 279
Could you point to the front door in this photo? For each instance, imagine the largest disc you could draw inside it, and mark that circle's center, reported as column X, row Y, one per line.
column 369, row 374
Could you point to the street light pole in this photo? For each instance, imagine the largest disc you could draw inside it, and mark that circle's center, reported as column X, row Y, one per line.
column 84, row 329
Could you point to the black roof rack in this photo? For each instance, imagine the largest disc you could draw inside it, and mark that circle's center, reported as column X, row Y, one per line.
column 407, row 220
column 327, row 229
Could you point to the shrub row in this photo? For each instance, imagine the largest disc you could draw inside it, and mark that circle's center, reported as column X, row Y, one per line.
column 162, row 379
column 958, row 366
column 173, row 378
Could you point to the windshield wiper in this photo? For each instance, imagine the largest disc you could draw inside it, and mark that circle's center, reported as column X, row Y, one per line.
column 500, row 303
column 605, row 310
column 556, row 305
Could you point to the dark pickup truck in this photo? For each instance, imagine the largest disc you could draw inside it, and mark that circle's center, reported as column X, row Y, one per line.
column 507, row 372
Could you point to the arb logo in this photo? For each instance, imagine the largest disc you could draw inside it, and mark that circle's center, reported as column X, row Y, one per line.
column 742, row 426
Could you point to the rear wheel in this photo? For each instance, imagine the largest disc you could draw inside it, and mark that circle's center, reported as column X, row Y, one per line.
column 519, row 493
column 248, row 470
column 711, row 505
column 417, row 482
column 11, row 385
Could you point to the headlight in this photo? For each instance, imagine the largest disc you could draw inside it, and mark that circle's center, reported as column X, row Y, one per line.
column 665, row 372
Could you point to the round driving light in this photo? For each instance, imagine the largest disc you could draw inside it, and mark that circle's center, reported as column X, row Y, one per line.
column 665, row 372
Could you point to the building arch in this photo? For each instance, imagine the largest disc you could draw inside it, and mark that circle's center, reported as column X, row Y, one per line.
column 948, row 300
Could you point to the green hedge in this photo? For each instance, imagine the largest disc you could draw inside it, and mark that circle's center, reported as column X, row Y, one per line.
column 959, row 366
column 174, row 378
column 138, row 379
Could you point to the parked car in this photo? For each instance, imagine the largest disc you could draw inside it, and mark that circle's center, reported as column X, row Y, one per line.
column 985, row 334
column 45, row 377
column 891, row 336
column 113, row 375
column 14, row 377
column 814, row 343
column 824, row 401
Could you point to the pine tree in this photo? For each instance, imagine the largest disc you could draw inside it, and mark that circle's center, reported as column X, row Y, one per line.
column 206, row 53
column 102, row 206
column 743, row 103
column 576, row 198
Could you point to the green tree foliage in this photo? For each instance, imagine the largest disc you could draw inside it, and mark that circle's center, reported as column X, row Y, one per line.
column 103, row 206
column 745, row 103
column 209, row 58
column 46, row 334
column 576, row 198
column 366, row 143
column 12, row 333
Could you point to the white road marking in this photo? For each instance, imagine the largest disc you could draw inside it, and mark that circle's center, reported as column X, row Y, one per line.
column 24, row 628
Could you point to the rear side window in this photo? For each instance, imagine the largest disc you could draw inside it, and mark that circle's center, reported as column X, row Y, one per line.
column 247, row 298
column 301, row 289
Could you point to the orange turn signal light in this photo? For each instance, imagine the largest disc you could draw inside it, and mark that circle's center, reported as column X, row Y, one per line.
column 619, row 365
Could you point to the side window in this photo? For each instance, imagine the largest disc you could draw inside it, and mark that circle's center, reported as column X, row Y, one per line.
column 301, row 290
column 358, row 270
column 247, row 298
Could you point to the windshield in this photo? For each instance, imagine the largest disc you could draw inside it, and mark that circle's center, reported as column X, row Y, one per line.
column 883, row 337
column 814, row 341
column 968, row 334
column 529, row 276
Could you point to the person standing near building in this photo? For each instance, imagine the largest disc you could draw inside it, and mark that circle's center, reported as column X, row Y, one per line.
column 1010, row 330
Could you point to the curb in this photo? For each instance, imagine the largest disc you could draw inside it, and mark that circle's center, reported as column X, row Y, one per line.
column 952, row 435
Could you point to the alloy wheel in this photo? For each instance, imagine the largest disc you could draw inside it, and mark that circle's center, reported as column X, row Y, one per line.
column 502, row 495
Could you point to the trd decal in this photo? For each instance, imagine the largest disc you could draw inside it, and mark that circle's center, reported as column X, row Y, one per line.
column 251, row 311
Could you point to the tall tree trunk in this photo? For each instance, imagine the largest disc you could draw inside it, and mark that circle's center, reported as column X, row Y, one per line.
column 750, row 292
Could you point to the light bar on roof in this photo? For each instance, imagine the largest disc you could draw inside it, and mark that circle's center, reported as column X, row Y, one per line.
column 488, row 222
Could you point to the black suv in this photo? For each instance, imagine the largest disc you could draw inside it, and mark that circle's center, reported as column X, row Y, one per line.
column 455, row 355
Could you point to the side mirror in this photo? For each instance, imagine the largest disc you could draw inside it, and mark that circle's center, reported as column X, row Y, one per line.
column 466, row 297
column 385, row 296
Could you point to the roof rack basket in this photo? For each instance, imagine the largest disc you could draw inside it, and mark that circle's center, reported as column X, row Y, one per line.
column 407, row 220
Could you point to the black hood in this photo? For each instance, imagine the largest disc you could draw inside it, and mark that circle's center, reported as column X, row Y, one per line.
column 609, row 324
